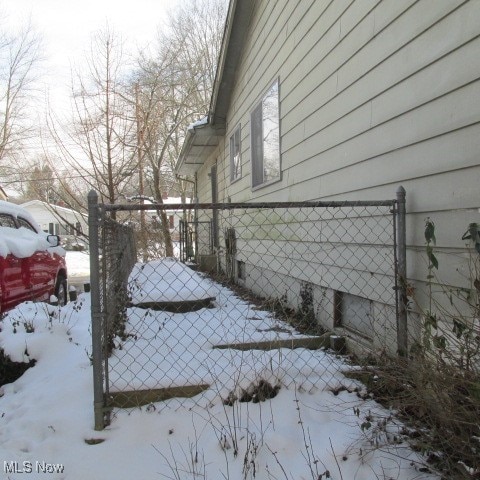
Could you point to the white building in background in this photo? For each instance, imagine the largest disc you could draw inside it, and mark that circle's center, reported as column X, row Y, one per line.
column 54, row 219
column 174, row 216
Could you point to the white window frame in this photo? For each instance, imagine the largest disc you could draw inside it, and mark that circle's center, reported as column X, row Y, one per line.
column 265, row 137
column 236, row 154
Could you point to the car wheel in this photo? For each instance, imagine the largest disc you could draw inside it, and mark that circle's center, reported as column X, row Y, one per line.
column 61, row 290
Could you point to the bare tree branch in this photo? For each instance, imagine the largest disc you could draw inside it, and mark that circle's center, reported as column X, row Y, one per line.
column 19, row 56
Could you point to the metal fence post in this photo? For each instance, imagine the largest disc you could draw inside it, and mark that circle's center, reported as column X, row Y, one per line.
column 96, row 310
column 402, row 300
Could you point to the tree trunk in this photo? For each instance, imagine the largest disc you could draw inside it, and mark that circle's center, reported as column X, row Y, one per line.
column 167, row 237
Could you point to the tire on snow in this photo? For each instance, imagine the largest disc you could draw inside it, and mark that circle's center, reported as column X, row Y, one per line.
column 61, row 290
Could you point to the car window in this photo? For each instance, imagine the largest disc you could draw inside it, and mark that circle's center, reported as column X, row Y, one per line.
column 26, row 224
column 7, row 221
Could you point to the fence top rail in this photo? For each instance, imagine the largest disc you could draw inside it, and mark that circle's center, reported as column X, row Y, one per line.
column 257, row 205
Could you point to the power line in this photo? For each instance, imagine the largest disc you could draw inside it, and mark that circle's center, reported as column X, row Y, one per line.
column 47, row 179
column 56, row 174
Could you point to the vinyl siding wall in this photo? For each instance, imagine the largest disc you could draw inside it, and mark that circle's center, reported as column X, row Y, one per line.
column 373, row 94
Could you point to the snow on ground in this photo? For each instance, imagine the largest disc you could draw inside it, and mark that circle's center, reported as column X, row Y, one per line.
column 78, row 264
column 46, row 419
column 165, row 349
column 166, row 280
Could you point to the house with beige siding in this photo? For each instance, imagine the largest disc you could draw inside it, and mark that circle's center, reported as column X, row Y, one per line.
column 348, row 100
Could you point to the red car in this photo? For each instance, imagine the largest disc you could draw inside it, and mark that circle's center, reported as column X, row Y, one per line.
column 32, row 263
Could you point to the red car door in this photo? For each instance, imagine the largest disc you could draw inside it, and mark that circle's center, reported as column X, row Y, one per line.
column 15, row 278
column 43, row 269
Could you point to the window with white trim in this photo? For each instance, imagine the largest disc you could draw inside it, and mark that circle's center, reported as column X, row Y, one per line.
column 265, row 133
column 235, row 155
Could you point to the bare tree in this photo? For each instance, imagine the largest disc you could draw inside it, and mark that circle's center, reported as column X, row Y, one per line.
column 19, row 56
column 100, row 140
column 194, row 38
column 126, row 134
column 173, row 88
column 40, row 183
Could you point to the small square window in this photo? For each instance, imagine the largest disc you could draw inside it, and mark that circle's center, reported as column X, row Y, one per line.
column 235, row 155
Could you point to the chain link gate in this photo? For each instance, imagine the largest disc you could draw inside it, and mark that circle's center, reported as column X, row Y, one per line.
column 259, row 310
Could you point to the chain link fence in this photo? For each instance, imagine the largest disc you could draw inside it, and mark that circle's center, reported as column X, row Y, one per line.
column 183, row 319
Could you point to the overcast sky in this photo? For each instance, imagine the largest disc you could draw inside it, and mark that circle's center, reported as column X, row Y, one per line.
column 66, row 27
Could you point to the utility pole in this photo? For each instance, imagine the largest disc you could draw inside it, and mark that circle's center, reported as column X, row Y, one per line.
column 140, row 153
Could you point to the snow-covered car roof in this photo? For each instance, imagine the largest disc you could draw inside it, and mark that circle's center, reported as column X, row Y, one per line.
column 22, row 242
